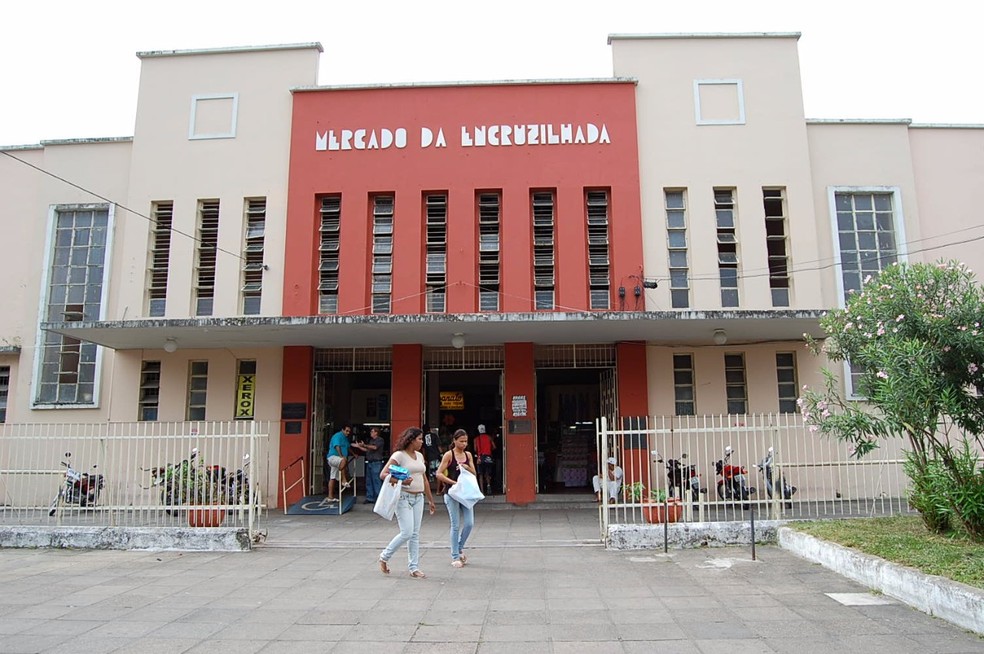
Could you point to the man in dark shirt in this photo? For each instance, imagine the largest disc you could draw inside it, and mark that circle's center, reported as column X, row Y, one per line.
column 375, row 458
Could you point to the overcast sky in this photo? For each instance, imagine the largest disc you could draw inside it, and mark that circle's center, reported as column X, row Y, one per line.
column 68, row 69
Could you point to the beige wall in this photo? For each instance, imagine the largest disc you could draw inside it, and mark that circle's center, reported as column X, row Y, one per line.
column 770, row 149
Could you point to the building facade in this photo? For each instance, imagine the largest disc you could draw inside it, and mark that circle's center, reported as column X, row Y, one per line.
column 528, row 256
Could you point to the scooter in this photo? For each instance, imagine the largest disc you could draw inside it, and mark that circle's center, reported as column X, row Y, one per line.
column 78, row 488
column 733, row 480
column 682, row 477
column 765, row 466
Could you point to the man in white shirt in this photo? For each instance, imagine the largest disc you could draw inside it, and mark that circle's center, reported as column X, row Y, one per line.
column 613, row 481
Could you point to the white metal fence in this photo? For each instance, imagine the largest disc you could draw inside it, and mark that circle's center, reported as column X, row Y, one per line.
column 811, row 476
column 141, row 474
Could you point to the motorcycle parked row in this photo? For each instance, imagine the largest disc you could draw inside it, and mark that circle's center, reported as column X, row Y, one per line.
column 78, row 488
column 181, row 482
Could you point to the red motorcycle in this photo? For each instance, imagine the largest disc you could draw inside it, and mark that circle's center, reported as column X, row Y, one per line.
column 733, row 480
column 78, row 488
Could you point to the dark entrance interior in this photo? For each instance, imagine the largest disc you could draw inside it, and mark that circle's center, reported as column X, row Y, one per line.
column 568, row 401
column 465, row 399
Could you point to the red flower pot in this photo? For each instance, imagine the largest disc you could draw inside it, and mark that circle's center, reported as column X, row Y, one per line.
column 655, row 513
column 206, row 517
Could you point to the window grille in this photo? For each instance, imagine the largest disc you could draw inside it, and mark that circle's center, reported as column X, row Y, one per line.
column 735, row 386
column 150, row 390
column 436, row 277
column 786, row 377
column 596, row 209
column 684, row 387
column 543, row 249
column 197, row 389
column 382, row 252
column 481, row 357
column 160, row 258
column 353, row 359
column 727, row 245
column 776, row 236
column 208, row 240
column 252, row 288
column 4, row 391
column 330, row 233
column 590, row 355
column 489, row 239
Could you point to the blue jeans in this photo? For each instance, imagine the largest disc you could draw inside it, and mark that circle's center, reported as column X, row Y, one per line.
column 373, row 482
column 462, row 521
column 409, row 513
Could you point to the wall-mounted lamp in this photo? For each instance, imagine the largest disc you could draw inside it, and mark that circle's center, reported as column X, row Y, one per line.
column 170, row 346
column 458, row 341
column 720, row 337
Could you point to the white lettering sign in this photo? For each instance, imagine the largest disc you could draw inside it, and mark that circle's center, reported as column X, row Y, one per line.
column 471, row 136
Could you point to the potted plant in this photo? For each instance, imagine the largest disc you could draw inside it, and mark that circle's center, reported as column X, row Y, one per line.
column 656, row 508
column 203, row 488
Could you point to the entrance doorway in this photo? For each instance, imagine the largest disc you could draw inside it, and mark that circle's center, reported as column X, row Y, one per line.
column 464, row 399
column 568, row 403
column 361, row 399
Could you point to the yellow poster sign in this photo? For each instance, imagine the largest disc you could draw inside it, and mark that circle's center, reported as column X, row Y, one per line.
column 245, row 397
column 452, row 400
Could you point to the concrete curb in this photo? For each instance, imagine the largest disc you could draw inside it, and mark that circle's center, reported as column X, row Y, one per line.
column 184, row 539
column 690, row 535
column 954, row 602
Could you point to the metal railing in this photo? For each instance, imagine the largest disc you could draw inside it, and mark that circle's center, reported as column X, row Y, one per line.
column 692, row 465
column 142, row 474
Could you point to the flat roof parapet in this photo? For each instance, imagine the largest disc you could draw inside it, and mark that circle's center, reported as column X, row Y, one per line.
column 150, row 54
column 703, row 35
column 469, row 83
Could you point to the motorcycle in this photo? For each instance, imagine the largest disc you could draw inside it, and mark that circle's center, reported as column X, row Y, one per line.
column 682, row 477
column 176, row 480
column 733, row 480
column 78, row 488
column 765, row 466
column 237, row 485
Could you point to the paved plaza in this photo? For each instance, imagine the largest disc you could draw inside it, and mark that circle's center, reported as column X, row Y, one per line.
column 536, row 581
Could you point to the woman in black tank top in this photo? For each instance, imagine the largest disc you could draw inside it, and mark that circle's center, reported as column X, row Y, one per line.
column 462, row 517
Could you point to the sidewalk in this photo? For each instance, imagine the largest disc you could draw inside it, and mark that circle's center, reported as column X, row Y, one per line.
column 537, row 581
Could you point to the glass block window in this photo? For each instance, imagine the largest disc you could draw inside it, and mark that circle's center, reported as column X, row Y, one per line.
column 197, row 389
column 252, row 279
column 735, row 383
column 436, row 275
column 329, row 231
column 150, row 390
column 207, row 237
column 489, row 244
column 786, row 377
column 74, row 288
column 543, row 249
column 776, row 235
column 599, row 255
column 866, row 236
column 159, row 258
column 727, row 245
column 684, row 388
column 675, row 205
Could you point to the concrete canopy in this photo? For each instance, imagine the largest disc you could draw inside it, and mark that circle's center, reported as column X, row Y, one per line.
column 694, row 328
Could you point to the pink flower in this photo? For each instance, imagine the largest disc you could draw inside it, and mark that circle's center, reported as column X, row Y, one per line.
column 972, row 368
column 881, row 374
column 900, row 318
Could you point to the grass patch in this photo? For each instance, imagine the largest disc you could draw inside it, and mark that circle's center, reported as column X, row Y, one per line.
column 905, row 540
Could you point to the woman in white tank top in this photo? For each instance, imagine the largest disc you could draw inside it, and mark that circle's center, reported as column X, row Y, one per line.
column 410, row 507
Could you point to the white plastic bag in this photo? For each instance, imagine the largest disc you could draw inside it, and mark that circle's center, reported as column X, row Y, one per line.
column 386, row 501
column 466, row 491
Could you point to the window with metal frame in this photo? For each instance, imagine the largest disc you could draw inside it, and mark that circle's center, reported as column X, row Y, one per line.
column 197, row 389
column 776, row 232
column 4, row 391
column 675, row 205
column 543, row 249
column 150, row 391
column 727, row 245
column 207, row 237
column 786, row 379
column 159, row 258
column 599, row 255
column 382, row 252
column 489, row 217
column 328, row 249
column 736, row 386
column 75, row 282
column 252, row 288
column 684, row 388
column 436, row 273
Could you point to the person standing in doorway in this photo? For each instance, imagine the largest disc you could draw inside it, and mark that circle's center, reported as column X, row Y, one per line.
column 338, row 456
column 484, row 447
column 375, row 457
column 410, row 506
column 455, row 460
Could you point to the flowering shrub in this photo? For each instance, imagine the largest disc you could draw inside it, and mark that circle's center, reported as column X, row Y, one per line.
column 914, row 340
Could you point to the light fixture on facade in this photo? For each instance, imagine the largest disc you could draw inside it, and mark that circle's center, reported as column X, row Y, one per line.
column 720, row 337
column 170, row 346
column 458, row 341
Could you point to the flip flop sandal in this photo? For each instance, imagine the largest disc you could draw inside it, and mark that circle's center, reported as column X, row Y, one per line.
column 417, row 574
column 463, row 559
column 457, row 564
column 383, row 567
